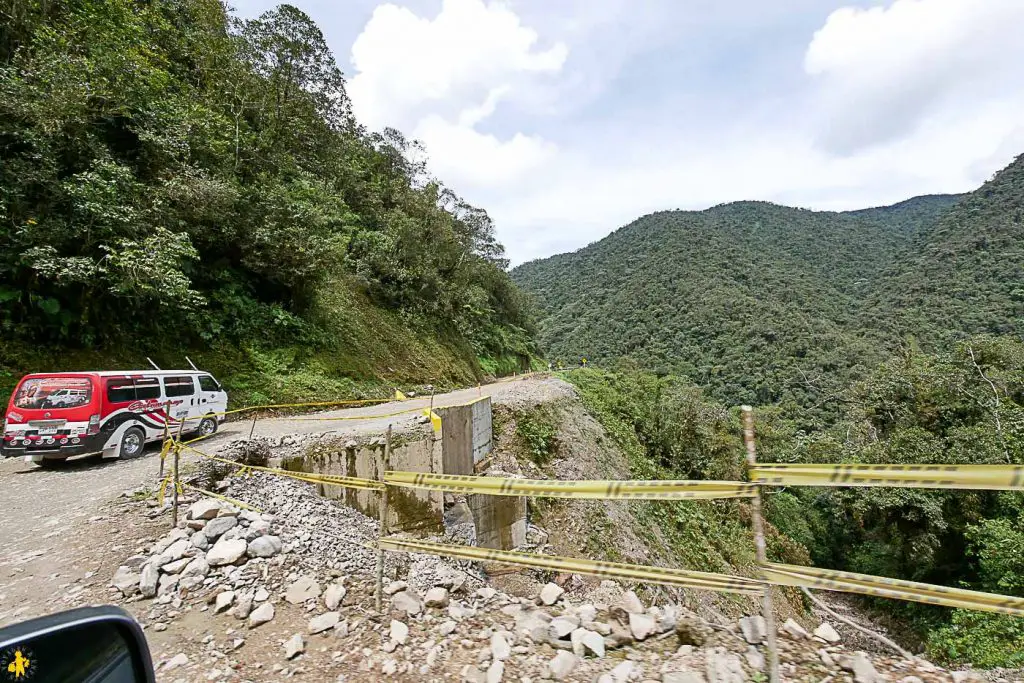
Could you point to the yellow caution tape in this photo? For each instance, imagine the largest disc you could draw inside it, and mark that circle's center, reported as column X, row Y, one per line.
column 163, row 489
column 198, row 438
column 236, row 503
column 345, row 417
column 320, row 404
column 811, row 577
column 990, row 477
column 600, row 489
column 330, row 479
column 660, row 575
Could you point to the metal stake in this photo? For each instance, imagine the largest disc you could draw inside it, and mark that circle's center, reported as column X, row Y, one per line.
column 383, row 520
column 761, row 548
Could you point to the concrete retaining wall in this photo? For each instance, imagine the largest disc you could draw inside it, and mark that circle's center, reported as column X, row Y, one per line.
column 465, row 441
column 456, row 439
column 500, row 520
column 408, row 509
column 482, row 431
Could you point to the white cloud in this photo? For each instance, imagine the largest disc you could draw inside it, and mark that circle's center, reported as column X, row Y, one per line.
column 475, row 159
column 442, row 77
column 882, row 69
column 589, row 193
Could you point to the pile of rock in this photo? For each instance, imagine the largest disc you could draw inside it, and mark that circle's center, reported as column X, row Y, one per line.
column 242, row 565
column 552, row 638
column 306, row 557
column 323, row 534
column 215, row 543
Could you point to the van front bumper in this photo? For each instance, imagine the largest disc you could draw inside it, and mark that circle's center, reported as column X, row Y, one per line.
column 55, row 451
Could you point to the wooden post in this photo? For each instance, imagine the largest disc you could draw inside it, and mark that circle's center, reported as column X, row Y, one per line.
column 252, row 429
column 383, row 517
column 761, row 548
column 167, row 435
column 431, row 413
column 174, row 478
column 174, row 485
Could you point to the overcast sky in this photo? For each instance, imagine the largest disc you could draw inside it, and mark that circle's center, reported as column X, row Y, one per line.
column 566, row 119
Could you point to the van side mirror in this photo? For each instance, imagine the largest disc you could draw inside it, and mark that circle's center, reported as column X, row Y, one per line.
column 86, row 645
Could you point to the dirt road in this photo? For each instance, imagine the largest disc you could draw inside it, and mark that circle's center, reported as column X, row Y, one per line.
column 402, row 415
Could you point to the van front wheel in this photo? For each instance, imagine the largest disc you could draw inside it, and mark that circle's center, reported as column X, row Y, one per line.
column 207, row 426
column 132, row 443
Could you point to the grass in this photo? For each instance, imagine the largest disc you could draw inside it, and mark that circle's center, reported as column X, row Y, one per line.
column 537, row 428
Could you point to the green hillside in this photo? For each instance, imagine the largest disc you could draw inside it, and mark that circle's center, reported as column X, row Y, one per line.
column 757, row 302
column 174, row 180
column 964, row 274
column 911, row 216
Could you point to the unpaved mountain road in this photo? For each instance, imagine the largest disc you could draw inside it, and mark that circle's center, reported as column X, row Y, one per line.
column 60, row 530
column 402, row 415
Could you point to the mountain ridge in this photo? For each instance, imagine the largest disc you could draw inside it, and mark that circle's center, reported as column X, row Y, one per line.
column 760, row 302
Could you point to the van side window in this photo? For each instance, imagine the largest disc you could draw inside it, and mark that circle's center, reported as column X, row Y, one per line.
column 207, row 383
column 120, row 390
column 179, row 386
column 147, row 388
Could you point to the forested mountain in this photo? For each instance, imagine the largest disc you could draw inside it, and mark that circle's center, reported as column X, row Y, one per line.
column 174, row 179
column 758, row 302
column 910, row 216
column 964, row 275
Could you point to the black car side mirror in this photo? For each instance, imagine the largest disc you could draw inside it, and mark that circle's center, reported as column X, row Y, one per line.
column 86, row 645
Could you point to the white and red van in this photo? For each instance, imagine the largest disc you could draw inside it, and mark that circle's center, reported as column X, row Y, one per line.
column 54, row 416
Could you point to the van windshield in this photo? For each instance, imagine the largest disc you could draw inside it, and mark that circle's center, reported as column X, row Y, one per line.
column 38, row 393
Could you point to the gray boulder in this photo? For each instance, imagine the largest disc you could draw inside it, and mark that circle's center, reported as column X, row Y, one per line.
column 225, row 552
column 148, row 580
column 264, row 546
column 215, row 527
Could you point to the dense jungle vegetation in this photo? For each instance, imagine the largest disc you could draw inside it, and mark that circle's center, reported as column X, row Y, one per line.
column 174, row 180
column 964, row 406
column 888, row 335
